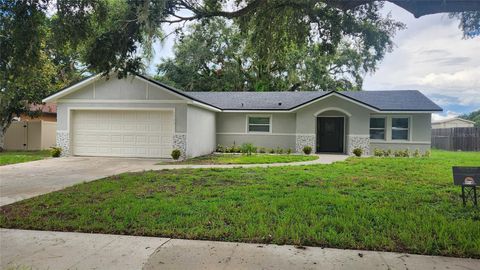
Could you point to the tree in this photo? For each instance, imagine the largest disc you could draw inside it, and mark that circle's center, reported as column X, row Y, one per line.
column 216, row 55
column 30, row 67
column 120, row 46
column 473, row 116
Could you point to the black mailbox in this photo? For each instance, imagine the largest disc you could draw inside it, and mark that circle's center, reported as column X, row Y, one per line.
column 469, row 179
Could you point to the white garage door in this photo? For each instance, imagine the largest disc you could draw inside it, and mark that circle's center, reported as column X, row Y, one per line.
column 122, row 133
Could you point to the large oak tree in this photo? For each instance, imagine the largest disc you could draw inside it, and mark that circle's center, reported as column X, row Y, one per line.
column 44, row 43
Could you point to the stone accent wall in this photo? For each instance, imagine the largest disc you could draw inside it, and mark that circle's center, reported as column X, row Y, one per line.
column 63, row 141
column 304, row 140
column 180, row 142
column 355, row 141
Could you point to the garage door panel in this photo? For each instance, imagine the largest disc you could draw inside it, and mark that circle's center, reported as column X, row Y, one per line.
column 122, row 133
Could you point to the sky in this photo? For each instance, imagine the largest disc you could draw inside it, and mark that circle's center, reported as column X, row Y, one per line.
column 430, row 55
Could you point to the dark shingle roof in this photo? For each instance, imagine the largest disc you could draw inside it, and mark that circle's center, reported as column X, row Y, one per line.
column 395, row 100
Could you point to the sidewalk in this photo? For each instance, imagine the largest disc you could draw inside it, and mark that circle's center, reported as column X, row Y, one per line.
column 60, row 250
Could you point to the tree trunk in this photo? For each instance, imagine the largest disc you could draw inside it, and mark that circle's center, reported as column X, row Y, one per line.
column 3, row 130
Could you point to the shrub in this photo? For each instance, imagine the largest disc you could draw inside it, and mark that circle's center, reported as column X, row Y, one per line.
column 378, row 152
column 405, row 153
column 248, row 149
column 262, row 150
column 279, row 150
column 220, row 148
column 397, row 153
column 271, row 151
column 387, row 153
column 427, row 153
column 307, row 150
column 289, row 151
column 234, row 149
column 176, row 154
column 416, row 153
column 358, row 152
column 55, row 151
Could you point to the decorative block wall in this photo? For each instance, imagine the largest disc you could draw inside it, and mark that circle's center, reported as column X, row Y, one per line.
column 356, row 141
column 304, row 140
column 180, row 142
column 63, row 141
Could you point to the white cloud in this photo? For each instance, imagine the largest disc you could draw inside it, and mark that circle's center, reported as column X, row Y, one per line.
column 448, row 115
column 431, row 56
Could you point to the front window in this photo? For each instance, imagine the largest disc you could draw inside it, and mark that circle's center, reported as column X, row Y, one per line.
column 400, row 128
column 377, row 128
column 258, row 124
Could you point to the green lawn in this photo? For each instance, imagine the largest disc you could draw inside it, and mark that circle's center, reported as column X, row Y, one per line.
column 12, row 157
column 390, row 204
column 244, row 159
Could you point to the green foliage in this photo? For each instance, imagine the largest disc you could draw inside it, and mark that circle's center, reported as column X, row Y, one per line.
column 279, row 150
column 271, row 151
column 307, row 150
column 262, row 150
column 427, row 153
column 220, row 148
column 358, row 152
column 220, row 55
column 387, row 153
column 13, row 157
column 248, row 149
column 289, row 151
column 55, row 151
column 378, row 152
column 383, row 204
column 32, row 63
column 473, row 116
column 416, row 153
column 176, row 153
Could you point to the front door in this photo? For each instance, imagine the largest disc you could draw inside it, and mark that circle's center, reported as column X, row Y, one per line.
column 330, row 133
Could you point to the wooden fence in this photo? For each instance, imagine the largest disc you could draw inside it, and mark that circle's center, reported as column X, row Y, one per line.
column 454, row 139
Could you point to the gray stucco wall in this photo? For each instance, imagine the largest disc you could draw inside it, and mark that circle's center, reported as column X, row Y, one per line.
column 232, row 129
column 419, row 137
column 200, row 131
column 356, row 119
column 118, row 94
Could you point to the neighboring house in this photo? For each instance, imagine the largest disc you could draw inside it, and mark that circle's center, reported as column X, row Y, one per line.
column 45, row 112
column 452, row 123
column 140, row 117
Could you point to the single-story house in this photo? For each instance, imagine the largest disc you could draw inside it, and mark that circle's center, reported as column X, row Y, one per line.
column 141, row 117
column 452, row 123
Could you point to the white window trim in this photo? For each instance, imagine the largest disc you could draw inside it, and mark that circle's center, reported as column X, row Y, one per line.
column 388, row 128
column 409, row 129
column 269, row 116
column 384, row 128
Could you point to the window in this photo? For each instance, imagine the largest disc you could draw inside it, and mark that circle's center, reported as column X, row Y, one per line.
column 400, row 128
column 258, row 124
column 377, row 128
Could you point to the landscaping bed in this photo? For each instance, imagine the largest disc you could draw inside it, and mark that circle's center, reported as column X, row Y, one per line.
column 244, row 159
column 12, row 157
column 389, row 204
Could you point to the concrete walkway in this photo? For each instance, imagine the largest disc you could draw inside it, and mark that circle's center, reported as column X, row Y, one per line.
column 25, row 180
column 60, row 250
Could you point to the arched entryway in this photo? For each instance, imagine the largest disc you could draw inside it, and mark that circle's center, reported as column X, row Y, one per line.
column 331, row 130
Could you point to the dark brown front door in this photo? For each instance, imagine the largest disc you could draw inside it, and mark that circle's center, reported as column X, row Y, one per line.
column 330, row 134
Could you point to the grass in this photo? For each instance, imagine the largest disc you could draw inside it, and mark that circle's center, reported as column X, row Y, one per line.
column 245, row 159
column 389, row 204
column 12, row 157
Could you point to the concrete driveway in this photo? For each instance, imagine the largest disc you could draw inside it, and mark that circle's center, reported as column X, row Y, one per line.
column 25, row 180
